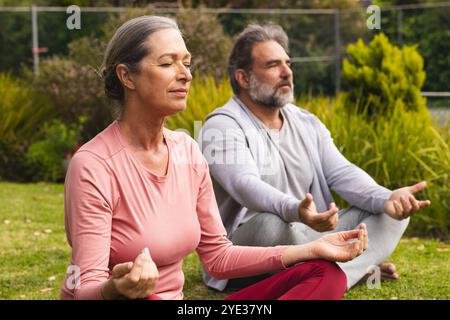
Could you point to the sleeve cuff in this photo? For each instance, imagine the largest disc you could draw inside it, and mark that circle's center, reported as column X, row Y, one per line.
column 291, row 210
column 280, row 257
column 382, row 198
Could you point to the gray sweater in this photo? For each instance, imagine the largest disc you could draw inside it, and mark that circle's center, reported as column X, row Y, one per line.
column 236, row 151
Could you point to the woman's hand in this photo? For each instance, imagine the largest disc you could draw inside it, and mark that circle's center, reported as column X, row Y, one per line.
column 133, row 280
column 339, row 247
column 342, row 246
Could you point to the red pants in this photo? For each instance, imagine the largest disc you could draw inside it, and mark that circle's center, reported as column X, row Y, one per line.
column 312, row 280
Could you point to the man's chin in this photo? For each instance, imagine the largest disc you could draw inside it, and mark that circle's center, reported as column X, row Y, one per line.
column 283, row 101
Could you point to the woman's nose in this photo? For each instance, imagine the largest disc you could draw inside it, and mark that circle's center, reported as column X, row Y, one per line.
column 184, row 73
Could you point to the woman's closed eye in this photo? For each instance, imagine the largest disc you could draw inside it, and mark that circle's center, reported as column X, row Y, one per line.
column 187, row 65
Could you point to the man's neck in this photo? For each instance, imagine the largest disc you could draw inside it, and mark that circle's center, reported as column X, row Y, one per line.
column 270, row 116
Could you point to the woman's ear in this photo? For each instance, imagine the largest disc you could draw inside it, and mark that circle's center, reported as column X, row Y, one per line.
column 125, row 77
column 242, row 79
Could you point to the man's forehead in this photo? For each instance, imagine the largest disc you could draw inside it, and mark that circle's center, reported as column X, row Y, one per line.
column 268, row 50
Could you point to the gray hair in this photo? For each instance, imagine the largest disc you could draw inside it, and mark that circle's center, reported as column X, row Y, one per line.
column 241, row 54
column 128, row 46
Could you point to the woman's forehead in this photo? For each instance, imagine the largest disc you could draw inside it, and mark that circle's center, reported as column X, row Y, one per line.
column 167, row 42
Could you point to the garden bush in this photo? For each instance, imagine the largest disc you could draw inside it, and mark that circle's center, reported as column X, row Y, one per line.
column 382, row 77
column 47, row 159
column 23, row 110
column 76, row 91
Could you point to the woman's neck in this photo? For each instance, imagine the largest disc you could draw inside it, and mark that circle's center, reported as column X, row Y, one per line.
column 143, row 130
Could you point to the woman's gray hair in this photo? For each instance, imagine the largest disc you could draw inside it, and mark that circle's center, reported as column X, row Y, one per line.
column 128, row 46
column 241, row 54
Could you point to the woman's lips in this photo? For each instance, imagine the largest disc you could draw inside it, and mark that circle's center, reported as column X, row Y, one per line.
column 179, row 92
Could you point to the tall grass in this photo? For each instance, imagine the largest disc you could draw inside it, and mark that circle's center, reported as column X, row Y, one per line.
column 396, row 151
column 22, row 109
column 22, row 112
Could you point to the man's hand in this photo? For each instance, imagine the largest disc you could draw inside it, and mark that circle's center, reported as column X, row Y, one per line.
column 342, row 246
column 136, row 279
column 321, row 222
column 402, row 202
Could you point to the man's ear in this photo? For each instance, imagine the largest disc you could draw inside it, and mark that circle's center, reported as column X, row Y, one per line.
column 242, row 78
column 125, row 76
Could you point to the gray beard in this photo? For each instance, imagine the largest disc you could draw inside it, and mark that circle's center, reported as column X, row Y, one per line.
column 266, row 95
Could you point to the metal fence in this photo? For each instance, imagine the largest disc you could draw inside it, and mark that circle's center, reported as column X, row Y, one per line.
column 338, row 24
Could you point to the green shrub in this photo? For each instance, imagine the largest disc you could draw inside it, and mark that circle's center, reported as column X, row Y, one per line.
column 87, row 51
column 75, row 90
column 23, row 110
column 383, row 77
column 46, row 158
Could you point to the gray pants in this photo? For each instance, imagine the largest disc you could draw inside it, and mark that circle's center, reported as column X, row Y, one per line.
column 267, row 229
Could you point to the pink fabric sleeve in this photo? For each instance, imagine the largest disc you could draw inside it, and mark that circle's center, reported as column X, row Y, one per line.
column 220, row 257
column 88, row 215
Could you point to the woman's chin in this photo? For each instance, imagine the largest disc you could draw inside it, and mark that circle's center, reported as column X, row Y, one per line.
column 174, row 109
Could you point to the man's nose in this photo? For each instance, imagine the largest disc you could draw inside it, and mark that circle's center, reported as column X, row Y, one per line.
column 286, row 72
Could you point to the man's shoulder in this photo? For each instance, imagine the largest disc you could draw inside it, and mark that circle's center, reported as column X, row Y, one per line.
column 230, row 115
column 303, row 115
column 230, row 109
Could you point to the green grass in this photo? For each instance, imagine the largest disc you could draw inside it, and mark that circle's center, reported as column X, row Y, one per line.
column 34, row 254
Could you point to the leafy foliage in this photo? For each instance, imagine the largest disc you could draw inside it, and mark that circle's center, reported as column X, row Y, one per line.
column 45, row 158
column 22, row 110
column 382, row 76
column 76, row 91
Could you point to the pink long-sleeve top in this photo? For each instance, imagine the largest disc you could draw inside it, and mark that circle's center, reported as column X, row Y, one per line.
column 115, row 207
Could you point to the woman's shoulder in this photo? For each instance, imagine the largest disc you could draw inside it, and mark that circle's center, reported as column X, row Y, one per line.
column 94, row 154
column 104, row 145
